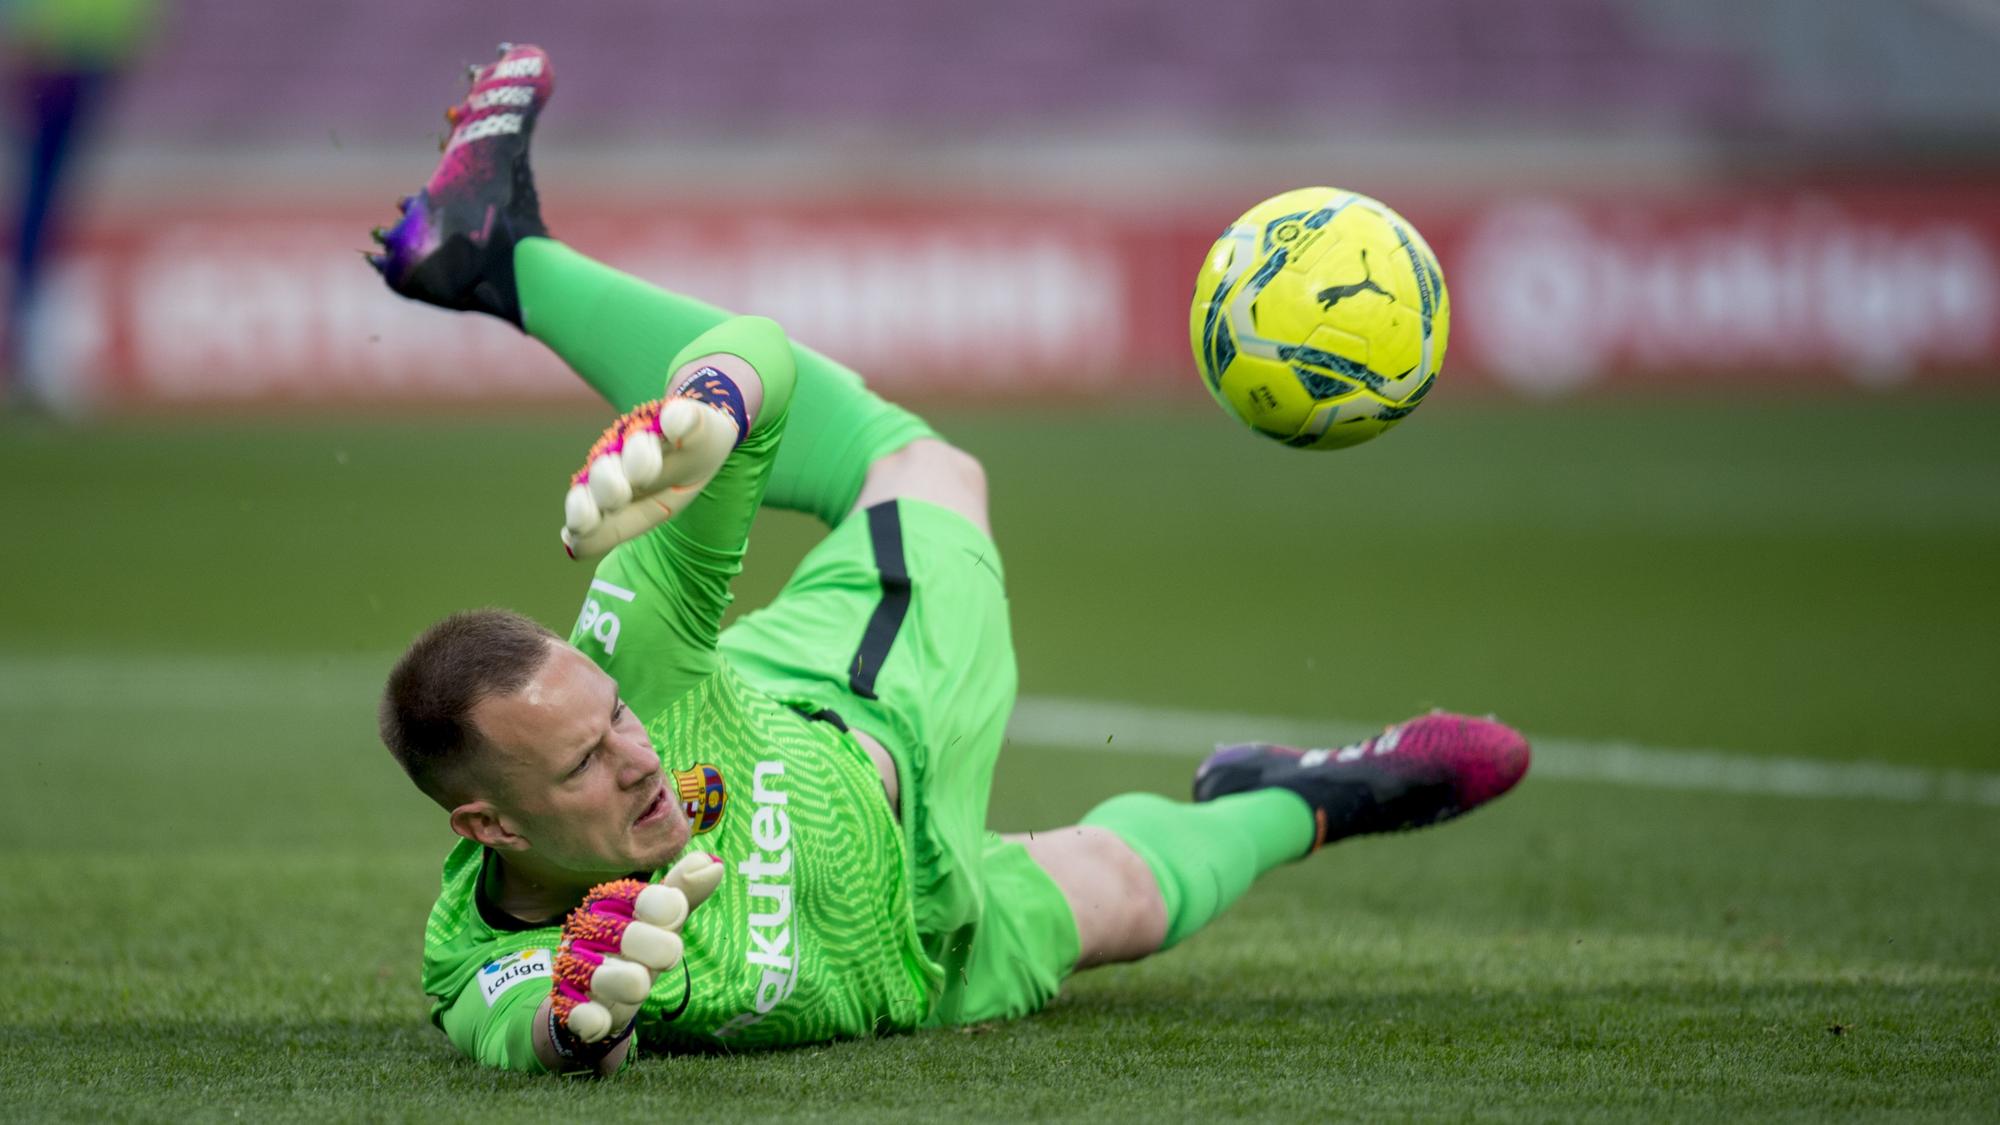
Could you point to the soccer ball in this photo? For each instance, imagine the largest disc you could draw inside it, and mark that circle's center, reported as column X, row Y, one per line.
column 1319, row 318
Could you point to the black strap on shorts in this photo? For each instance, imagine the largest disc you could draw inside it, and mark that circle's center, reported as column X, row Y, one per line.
column 885, row 531
column 827, row 715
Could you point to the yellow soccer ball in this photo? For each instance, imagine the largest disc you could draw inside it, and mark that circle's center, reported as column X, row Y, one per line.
column 1319, row 318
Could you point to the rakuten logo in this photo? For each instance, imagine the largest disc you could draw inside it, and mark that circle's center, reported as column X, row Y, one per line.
column 1554, row 295
column 596, row 623
column 769, row 871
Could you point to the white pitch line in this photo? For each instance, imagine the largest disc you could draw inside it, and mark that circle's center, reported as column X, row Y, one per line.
column 1129, row 728
column 30, row 683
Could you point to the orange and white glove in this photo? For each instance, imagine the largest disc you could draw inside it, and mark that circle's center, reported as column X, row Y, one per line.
column 650, row 464
column 624, row 935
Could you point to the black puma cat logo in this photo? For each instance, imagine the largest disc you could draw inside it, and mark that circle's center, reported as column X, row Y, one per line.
column 1335, row 294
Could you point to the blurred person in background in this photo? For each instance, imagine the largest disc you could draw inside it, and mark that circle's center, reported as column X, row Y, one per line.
column 61, row 58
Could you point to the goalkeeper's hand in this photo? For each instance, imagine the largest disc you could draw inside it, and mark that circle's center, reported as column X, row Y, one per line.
column 624, row 935
column 645, row 469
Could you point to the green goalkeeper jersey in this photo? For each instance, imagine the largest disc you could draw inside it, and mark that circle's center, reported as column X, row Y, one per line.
column 811, row 935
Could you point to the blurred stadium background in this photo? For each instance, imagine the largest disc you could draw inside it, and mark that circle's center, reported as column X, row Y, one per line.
column 1714, row 465
column 1716, row 196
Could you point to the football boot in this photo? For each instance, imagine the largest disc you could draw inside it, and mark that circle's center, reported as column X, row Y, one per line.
column 454, row 245
column 1417, row 773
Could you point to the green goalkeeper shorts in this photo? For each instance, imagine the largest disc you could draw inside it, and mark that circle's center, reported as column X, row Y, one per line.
column 896, row 626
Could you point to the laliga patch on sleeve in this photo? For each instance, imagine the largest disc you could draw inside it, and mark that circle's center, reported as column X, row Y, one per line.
column 499, row 976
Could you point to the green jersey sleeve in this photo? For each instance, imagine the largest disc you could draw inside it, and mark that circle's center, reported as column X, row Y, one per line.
column 485, row 980
column 487, row 973
column 685, row 566
column 496, row 1028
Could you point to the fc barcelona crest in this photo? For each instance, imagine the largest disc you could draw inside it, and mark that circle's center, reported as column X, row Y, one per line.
column 702, row 796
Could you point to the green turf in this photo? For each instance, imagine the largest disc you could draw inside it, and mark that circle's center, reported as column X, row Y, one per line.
column 215, row 881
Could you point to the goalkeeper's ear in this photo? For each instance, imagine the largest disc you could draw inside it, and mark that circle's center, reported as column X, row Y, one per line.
column 477, row 820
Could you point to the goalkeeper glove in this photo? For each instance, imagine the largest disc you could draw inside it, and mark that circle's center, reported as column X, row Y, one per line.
column 625, row 934
column 649, row 465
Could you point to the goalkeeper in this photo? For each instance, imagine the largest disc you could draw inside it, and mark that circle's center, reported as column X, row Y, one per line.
column 775, row 834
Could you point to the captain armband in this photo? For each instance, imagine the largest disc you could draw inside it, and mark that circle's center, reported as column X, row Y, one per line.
column 706, row 384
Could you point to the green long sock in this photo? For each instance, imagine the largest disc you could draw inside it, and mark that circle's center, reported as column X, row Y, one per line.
column 618, row 333
column 1205, row 856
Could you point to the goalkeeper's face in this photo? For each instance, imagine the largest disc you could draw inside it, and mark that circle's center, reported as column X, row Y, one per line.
column 573, row 778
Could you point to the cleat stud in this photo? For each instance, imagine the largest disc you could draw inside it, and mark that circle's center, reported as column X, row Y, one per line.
column 380, row 235
column 502, row 49
column 403, row 204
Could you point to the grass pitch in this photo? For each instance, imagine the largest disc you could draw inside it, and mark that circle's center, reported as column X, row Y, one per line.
column 216, row 880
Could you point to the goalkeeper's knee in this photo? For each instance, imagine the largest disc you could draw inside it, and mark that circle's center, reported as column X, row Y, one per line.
column 934, row 471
